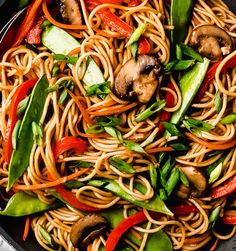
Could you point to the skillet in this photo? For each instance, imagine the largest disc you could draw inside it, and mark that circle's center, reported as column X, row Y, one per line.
column 11, row 229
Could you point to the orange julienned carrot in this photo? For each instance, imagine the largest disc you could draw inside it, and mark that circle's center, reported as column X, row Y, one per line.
column 27, row 228
column 58, row 24
column 160, row 149
column 110, row 110
column 51, row 183
column 211, row 145
column 90, row 247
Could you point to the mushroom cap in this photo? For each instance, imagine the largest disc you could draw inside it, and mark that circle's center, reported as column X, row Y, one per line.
column 211, row 41
column 86, row 229
column 197, row 179
column 138, row 78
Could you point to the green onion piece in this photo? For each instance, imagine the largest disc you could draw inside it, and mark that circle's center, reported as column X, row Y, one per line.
column 179, row 65
column 73, row 184
column 22, row 105
column 114, row 133
column 231, row 118
column 45, row 24
column 37, row 133
column 183, row 178
column 64, row 94
column 108, row 121
column 179, row 53
column 66, row 58
column 167, row 167
column 162, row 194
column 23, row 3
column 31, row 47
column 179, row 146
column 218, row 102
column 46, row 236
column 95, row 129
column 215, row 174
column 121, row 165
column 163, row 180
column 137, row 33
column 78, row 163
column 154, row 108
column 15, row 134
column 196, row 124
column 134, row 49
column 55, row 70
column 132, row 146
column 188, row 51
column 168, row 67
column 153, row 175
column 210, row 168
column 58, row 86
column 172, row 129
column 98, row 89
column 172, row 181
column 214, row 216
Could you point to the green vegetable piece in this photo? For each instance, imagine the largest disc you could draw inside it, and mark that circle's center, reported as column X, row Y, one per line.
column 45, row 24
column 64, row 94
column 180, row 16
column 66, row 58
column 179, row 53
column 182, row 65
column 73, row 184
column 172, row 181
column 132, row 146
column 21, row 204
column 189, row 85
column 22, row 106
column 15, row 134
column 229, row 119
column 179, row 147
column 153, row 176
column 37, row 133
column 186, row 50
column 154, row 108
column 114, row 133
column 215, row 174
column 47, row 237
column 94, row 129
column 183, row 178
column 79, row 163
column 172, row 129
column 20, row 156
column 108, row 121
column 196, row 124
column 134, row 49
column 121, row 165
column 98, row 89
column 155, row 204
column 55, row 70
column 167, row 167
column 163, row 194
column 215, row 164
column 137, row 33
column 60, row 42
column 23, row 3
column 214, row 216
column 218, row 102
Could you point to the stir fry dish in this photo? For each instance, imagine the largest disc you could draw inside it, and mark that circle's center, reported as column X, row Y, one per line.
column 118, row 124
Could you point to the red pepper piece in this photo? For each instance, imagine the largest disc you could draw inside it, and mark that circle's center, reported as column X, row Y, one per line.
column 124, row 226
column 133, row 3
column 66, row 143
column 118, row 25
column 33, row 36
column 111, row 1
column 226, row 189
column 229, row 218
column 19, row 94
column 183, row 209
column 27, row 22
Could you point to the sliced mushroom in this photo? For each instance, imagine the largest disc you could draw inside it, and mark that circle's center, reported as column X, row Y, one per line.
column 183, row 191
column 197, row 179
column 211, row 41
column 86, row 229
column 138, row 78
column 70, row 11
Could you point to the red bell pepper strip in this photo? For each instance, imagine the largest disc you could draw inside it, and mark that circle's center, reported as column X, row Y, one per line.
column 33, row 35
column 124, row 226
column 229, row 218
column 226, row 189
column 211, row 75
column 19, row 94
column 111, row 1
column 183, row 209
column 165, row 115
column 27, row 22
column 66, row 143
column 133, row 3
column 118, row 25
column 71, row 199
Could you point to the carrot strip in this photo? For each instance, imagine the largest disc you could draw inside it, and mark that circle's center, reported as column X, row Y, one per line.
column 58, row 24
column 211, row 145
column 89, row 247
column 51, row 183
column 136, row 234
column 195, row 240
column 160, row 149
column 214, row 246
column 110, row 110
column 96, row 107
column 26, row 229
column 81, row 108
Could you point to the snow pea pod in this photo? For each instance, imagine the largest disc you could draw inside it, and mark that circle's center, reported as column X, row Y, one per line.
column 180, row 15
column 21, row 204
column 20, row 156
column 155, row 204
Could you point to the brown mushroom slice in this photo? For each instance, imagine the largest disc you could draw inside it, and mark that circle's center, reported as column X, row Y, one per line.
column 86, row 229
column 138, row 78
column 197, row 179
column 70, row 11
column 211, row 41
